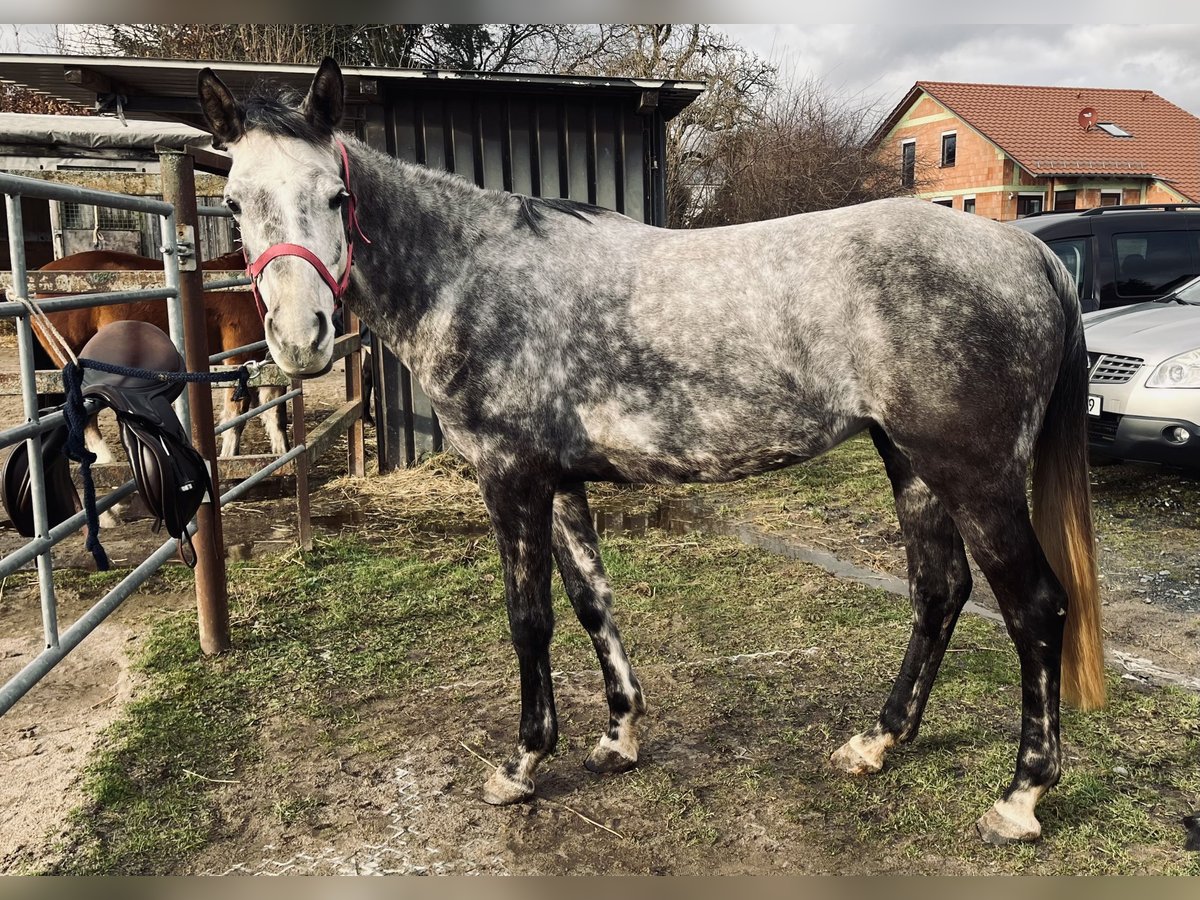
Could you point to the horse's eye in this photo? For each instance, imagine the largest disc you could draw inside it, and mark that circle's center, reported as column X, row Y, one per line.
column 339, row 198
column 233, row 206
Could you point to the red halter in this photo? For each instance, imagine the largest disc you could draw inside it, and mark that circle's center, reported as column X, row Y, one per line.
column 255, row 269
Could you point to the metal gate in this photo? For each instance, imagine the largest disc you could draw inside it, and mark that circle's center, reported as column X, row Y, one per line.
column 182, row 290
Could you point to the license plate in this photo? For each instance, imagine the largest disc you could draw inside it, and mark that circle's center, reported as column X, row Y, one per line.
column 1095, row 404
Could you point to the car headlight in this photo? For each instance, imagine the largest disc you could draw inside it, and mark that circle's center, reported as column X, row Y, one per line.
column 1182, row 371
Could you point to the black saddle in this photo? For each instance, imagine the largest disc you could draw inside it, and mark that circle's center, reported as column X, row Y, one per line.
column 171, row 475
column 62, row 500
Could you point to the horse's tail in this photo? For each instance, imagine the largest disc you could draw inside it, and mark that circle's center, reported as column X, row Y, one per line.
column 1062, row 506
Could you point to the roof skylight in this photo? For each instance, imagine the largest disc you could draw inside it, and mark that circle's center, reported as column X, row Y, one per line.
column 1114, row 130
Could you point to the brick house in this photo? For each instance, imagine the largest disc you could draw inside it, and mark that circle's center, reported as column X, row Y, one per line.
column 1005, row 151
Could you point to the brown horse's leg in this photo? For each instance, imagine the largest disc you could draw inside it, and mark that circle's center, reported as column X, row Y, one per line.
column 577, row 551
column 939, row 582
column 231, row 440
column 274, row 419
column 94, row 441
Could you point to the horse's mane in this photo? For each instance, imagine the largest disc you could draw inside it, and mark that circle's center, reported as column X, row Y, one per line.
column 532, row 210
column 277, row 110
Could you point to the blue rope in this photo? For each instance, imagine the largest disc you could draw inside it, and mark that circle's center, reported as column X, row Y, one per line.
column 76, row 449
column 241, row 376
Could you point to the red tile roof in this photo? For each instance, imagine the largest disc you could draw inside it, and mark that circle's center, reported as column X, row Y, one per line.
column 1039, row 128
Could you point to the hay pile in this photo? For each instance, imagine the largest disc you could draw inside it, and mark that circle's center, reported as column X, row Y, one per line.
column 438, row 494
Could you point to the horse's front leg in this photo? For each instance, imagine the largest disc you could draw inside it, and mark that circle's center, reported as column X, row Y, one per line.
column 520, row 508
column 231, row 440
column 577, row 551
column 275, row 418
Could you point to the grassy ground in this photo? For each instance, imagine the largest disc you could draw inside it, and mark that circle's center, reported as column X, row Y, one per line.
column 383, row 638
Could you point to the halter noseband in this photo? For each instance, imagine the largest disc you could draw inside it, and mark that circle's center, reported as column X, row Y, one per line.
column 255, row 269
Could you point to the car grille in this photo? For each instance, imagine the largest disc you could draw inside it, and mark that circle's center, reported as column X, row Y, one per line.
column 1109, row 368
column 1102, row 429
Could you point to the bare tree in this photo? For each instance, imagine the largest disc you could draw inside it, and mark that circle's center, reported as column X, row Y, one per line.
column 806, row 148
column 746, row 149
column 735, row 80
column 479, row 47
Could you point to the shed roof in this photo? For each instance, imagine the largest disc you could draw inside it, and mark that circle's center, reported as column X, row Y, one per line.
column 97, row 133
column 1039, row 128
column 166, row 89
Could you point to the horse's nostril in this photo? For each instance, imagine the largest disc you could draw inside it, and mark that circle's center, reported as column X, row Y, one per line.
column 322, row 329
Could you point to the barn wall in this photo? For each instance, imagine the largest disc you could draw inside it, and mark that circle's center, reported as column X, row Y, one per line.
column 596, row 149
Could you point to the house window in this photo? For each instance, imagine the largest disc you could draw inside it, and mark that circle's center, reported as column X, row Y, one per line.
column 1029, row 204
column 947, row 202
column 949, row 145
column 908, row 163
column 1110, row 198
column 1064, row 200
column 1113, row 129
column 969, row 204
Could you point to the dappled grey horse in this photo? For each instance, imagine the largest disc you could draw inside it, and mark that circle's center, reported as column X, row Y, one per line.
column 562, row 343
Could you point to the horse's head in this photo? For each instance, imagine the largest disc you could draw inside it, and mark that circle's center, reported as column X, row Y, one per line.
column 287, row 191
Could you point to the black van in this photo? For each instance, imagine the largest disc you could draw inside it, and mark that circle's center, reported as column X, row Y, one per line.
column 1123, row 254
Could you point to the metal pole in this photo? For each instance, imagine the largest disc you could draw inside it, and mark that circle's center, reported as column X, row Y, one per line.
column 212, row 600
column 356, row 461
column 299, row 439
column 37, row 475
column 175, row 329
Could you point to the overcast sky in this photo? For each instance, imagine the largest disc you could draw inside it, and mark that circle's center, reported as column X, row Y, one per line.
column 882, row 61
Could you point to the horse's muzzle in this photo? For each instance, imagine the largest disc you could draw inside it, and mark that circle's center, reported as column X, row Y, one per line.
column 301, row 343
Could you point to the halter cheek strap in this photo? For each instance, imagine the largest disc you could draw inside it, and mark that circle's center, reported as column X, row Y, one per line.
column 338, row 287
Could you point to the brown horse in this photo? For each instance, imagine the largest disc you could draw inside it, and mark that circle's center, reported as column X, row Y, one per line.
column 232, row 318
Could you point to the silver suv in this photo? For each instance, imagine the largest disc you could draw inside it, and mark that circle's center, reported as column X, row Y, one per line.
column 1144, row 391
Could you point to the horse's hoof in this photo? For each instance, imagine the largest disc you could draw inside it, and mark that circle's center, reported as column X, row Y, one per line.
column 855, row 757
column 503, row 789
column 606, row 761
column 997, row 828
column 1192, row 824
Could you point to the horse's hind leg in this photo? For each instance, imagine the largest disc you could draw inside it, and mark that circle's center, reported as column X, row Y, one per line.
column 987, row 502
column 995, row 524
column 577, row 551
column 520, row 509
column 939, row 582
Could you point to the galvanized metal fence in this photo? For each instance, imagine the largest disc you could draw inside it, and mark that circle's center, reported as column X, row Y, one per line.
column 58, row 645
column 183, row 289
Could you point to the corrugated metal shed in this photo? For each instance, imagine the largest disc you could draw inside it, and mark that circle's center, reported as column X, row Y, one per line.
column 598, row 140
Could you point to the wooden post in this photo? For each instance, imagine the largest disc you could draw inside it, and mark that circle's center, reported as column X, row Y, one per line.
column 212, row 599
column 356, row 459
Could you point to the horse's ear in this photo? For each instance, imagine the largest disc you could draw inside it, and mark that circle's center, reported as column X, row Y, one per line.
column 226, row 118
column 326, row 98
